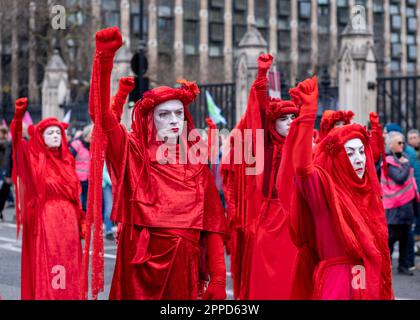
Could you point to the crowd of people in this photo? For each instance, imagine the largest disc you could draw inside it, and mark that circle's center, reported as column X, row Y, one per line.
column 326, row 208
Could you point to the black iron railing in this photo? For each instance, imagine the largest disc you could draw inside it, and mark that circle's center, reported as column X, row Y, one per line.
column 223, row 95
column 398, row 101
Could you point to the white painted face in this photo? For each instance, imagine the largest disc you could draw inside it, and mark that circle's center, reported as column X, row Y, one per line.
column 356, row 153
column 52, row 137
column 283, row 124
column 169, row 119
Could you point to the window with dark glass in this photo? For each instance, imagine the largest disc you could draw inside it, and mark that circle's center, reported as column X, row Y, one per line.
column 239, row 23
column 191, row 26
column 110, row 12
column 165, row 25
column 216, row 29
column 261, row 17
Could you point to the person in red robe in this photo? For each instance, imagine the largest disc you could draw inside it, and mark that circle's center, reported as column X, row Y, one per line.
column 274, row 253
column 337, row 219
column 252, row 199
column 165, row 207
column 48, row 204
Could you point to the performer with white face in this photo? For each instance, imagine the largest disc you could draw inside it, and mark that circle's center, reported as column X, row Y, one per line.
column 52, row 137
column 169, row 119
column 356, row 153
column 283, row 124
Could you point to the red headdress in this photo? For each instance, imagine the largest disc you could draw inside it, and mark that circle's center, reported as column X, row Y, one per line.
column 39, row 156
column 277, row 108
column 330, row 118
column 356, row 210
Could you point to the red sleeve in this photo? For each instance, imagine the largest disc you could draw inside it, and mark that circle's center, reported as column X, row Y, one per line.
column 376, row 141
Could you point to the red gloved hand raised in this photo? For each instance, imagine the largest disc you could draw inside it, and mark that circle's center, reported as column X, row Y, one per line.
column 217, row 268
column 265, row 61
column 108, row 40
column 295, row 96
column 308, row 92
column 374, row 118
column 20, row 108
column 126, row 84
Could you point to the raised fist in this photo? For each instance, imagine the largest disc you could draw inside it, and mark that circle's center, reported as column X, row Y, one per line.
column 374, row 118
column 265, row 61
column 308, row 91
column 126, row 84
column 20, row 107
column 108, row 40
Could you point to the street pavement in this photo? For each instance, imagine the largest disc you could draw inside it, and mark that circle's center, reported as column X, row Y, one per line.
column 405, row 287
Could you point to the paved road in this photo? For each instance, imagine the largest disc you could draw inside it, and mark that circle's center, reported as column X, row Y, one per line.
column 405, row 287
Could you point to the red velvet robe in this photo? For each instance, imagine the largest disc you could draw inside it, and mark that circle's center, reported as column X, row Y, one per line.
column 164, row 209
column 262, row 253
column 48, row 200
column 337, row 219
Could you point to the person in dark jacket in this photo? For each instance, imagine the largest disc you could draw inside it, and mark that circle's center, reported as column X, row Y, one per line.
column 400, row 194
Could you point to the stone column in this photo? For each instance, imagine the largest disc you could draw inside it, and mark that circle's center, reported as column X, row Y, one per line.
column 369, row 9
column 250, row 47
column 152, row 43
column 403, row 37
column 387, row 39
column 333, row 42
column 33, row 93
column 204, row 41
column 251, row 13
column 228, row 43
column 15, row 57
column 294, row 49
column 125, row 21
column 357, row 73
column 178, row 39
column 55, row 87
column 273, row 27
column 314, row 35
column 96, row 10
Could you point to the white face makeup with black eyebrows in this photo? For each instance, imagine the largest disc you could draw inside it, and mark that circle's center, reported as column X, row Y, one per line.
column 52, row 137
column 356, row 153
column 283, row 124
column 169, row 119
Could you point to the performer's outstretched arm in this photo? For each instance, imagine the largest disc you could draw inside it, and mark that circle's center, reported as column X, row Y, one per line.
column 108, row 41
column 377, row 140
column 125, row 86
column 302, row 144
column 217, row 268
column 16, row 125
column 260, row 83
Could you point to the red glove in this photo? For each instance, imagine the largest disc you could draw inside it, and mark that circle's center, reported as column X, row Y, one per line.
column 20, row 108
column 374, row 118
column 108, row 40
column 264, row 61
column 124, row 88
column 125, row 85
column 217, row 268
column 83, row 229
column 308, row 92
column 295, row 96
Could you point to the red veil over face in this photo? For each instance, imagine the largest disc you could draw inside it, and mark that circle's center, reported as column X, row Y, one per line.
column 357, row 214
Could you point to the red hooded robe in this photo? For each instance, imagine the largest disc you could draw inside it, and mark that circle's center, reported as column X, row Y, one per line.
column 164, row 209
column 47, row 193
